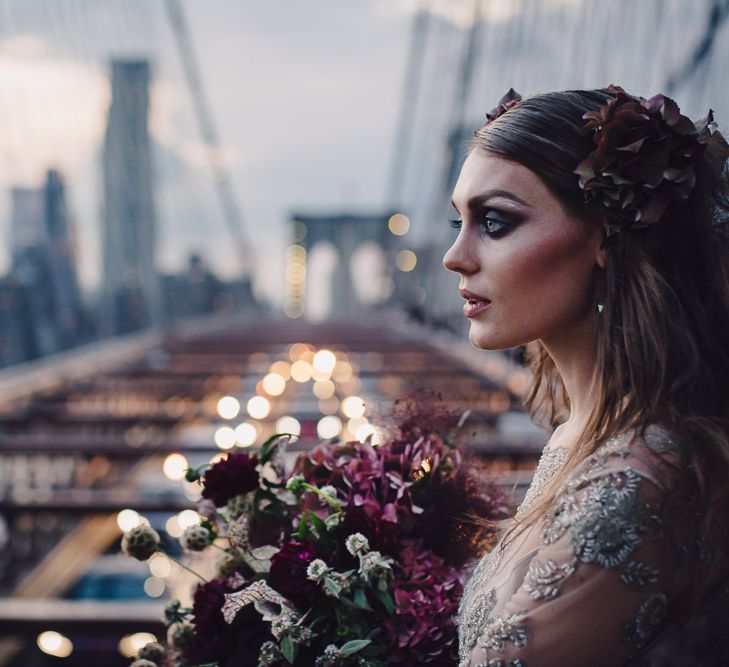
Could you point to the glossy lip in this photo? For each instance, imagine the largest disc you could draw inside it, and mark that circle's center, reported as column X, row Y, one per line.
column 473, row 309
column 470, row 295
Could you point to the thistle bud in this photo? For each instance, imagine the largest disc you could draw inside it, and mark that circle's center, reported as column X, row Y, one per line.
column 140, row 542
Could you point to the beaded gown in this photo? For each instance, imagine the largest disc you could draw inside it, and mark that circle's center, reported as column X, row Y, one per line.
column 600, row 579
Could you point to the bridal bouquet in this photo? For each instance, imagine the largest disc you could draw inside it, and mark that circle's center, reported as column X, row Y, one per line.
column 353, row 557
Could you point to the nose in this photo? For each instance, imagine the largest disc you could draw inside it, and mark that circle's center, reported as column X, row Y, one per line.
column 457, row 257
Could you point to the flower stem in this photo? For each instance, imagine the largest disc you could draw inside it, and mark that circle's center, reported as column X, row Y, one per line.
column 182, row 565
column 324, row 496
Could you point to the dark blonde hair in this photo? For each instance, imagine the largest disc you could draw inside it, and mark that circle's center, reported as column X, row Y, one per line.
column 663, row 336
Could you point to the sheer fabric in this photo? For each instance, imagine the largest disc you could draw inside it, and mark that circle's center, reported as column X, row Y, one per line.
column 601, row 579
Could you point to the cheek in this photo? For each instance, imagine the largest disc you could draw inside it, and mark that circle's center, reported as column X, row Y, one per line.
column 539, row 279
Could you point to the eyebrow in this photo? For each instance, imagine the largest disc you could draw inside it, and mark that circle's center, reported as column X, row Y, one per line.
column 481, row 199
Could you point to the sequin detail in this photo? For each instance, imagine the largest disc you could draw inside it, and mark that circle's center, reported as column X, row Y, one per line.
column 602, row 516
column 542, row 581
column 500, row 629
column 648, row 619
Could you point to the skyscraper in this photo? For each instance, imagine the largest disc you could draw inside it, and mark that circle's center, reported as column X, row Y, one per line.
column 131, row 289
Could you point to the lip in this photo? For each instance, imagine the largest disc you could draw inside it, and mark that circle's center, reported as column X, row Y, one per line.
column 466, row 294
column 476, row 304
column 472, row 309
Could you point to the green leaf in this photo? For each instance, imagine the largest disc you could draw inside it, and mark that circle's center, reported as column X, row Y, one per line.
column 303, row 531
column 353, row 646
column 386, row 599
column 360, row 599
column 267, row 449
column 288, row 649
column 319, row 526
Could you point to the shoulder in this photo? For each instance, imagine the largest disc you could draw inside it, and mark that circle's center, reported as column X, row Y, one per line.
column 617, row 494
column 653, row 452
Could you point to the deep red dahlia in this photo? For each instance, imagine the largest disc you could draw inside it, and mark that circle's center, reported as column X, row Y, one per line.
column 288, row 573
column 232, row 476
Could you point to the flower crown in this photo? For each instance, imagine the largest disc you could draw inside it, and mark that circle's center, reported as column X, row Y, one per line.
column 644, row 156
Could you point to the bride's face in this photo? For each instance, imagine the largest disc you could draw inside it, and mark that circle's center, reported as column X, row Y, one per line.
column 521, row 251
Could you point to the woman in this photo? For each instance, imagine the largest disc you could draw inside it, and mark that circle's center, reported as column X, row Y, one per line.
column 593, row 230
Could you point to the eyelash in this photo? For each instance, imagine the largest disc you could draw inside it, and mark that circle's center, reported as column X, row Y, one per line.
column 456, row 224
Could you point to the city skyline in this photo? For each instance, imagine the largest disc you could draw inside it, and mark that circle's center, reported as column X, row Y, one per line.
column 330, row 107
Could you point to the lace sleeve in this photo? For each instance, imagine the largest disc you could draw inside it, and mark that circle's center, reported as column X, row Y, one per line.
column 600, row 587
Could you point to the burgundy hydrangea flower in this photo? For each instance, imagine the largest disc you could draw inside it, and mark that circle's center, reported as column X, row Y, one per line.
column 644, row 157
column 511, row 99
column 426, row 594
column 288, row 573
column 229, row 477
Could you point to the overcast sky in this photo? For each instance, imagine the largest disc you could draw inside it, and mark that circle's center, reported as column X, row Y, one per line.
column 305, row 96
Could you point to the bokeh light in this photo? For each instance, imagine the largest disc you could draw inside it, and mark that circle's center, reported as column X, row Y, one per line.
column 154, row 587
column 160, row 566
column 288, row 424
column 129, row 645
column 274, row 384
column 188, row 518
column 282, row 368
column 353, row 406
column 329, row 427
column 323, row 389
column 301, row 371
column 225, row 437
column 246, row 434
column 173, row 528
column 398, row 224
column 406, row 260
column 55, row 644
column 175, row 466
column 324, row 361
column 128, row 519
column 228, row 407
column 258, row 407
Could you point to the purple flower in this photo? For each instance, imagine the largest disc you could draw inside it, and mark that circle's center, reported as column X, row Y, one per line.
column 288, row 573
column 426, row 593
column 232, row 476
column 644, row 157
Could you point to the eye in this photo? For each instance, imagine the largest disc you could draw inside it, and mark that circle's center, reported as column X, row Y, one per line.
column 489, row 223
column 492, row 226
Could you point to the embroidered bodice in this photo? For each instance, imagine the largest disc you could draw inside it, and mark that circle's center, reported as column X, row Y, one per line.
column 598, row 580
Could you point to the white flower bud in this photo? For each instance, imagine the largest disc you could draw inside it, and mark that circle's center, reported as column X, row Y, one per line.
column 357, row 544
column 316, row 570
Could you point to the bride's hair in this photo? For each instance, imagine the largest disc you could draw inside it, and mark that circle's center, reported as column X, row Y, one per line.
column 663, row 334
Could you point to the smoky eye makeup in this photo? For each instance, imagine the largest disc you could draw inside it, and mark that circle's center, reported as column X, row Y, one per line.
column 492, row 222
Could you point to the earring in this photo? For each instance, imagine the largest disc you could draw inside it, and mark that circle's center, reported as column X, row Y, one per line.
column 600, row 306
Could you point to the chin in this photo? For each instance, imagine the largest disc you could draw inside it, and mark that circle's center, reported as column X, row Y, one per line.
column 488, row 340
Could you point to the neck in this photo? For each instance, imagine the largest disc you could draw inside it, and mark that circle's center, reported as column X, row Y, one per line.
column 574, row 355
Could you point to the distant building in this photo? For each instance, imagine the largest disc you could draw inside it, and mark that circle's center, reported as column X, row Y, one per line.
column 41, row 309
column 70, row 317
column 131, row 285
column 198, row 291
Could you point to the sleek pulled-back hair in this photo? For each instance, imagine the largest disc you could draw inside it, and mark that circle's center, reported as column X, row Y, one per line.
column 662, row 338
